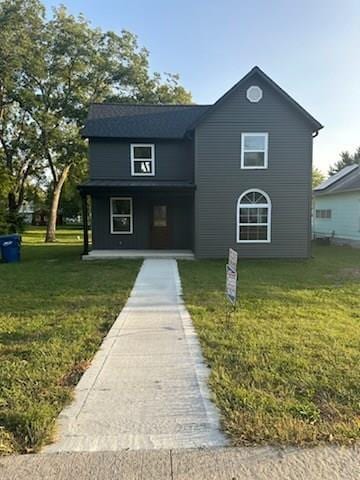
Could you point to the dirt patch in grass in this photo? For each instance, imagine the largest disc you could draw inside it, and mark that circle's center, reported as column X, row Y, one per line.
column 73, row 377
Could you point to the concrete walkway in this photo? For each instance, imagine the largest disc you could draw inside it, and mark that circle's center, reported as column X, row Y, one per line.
column 146, row 387
column 260, row 463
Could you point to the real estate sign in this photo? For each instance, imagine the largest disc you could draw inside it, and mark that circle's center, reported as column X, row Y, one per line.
column 231, row 276
column 233, row 259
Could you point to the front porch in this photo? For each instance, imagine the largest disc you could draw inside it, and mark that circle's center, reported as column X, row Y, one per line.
column 135, row 254
column 142, row 219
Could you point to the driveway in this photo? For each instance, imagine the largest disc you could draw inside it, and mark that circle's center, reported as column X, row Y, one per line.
column 146, row 387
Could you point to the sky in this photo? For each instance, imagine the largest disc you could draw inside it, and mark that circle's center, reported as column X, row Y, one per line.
column 311, row 48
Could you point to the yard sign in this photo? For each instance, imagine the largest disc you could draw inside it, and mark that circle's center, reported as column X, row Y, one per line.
column 231, row 276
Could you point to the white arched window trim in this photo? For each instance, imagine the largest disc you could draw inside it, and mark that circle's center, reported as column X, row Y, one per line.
column 253, row 205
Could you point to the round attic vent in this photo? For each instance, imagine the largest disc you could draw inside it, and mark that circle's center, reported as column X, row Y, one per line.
column 254, row 94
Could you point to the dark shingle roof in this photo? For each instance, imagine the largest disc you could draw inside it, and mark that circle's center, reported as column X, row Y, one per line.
column 348, row 179
column 166, row 121
column 141, row 121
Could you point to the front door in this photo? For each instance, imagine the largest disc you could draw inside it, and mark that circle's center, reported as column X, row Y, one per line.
column 159, row 227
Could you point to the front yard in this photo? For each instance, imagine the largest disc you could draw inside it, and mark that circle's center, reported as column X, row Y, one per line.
column 286, row 365
column 54, row 312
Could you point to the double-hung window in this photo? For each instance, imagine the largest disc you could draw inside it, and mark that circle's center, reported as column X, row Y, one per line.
column 142, row 159
column 254, row 150
column 121, row 215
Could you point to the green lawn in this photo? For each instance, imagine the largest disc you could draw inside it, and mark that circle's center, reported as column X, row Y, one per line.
column 54, row 311
column 286, row 365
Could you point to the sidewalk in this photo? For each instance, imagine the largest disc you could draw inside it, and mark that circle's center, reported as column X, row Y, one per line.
column 146, row 387
column 261, row 463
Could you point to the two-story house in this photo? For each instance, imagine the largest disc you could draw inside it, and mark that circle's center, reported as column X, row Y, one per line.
column 203, row 178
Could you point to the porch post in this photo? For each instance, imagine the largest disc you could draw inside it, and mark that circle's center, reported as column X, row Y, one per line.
column 85, row 223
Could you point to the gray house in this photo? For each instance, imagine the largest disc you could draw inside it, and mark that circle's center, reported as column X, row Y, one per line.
column 202, row 178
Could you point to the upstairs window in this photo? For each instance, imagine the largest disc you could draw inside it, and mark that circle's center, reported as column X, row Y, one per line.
column 142, row 159
column 254, row 150
column 254, row 217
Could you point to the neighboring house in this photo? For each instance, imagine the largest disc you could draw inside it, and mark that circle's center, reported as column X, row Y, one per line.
column 203, row 177
column 27, row 212
column 336, row 211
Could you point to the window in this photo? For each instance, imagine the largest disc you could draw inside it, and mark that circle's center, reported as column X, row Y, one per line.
column 254, row 150
column 254, row 94
column 254, row 217
column 142, row 159
column 323, row 214
column 160, row 216
column 121, row 215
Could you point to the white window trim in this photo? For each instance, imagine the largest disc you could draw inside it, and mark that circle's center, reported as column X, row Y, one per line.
column 253, row 205
column 112, row 215
column 152, row 159
column 266, row 143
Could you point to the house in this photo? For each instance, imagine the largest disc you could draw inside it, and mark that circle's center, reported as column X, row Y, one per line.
column 202, row 178
column 27, row 212
column 336, row 212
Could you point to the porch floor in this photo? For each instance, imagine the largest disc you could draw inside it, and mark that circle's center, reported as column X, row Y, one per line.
column 116, row 254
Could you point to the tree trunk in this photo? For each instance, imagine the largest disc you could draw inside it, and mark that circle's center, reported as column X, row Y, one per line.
column 55, row 199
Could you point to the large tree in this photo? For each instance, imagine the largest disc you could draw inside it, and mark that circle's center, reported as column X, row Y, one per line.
column 346, row 159
column 71, row 65
column 21, row 22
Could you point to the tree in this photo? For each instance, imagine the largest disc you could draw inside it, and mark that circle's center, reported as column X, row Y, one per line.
column 346, row 159
column 317, row 177
column 83, row 65
column 58, row 68
column 20, row 24
column 5, row 185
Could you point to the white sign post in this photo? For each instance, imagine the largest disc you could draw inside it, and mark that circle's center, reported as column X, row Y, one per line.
column 231, row 276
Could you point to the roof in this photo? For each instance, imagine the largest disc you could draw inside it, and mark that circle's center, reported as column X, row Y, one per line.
column 118, row 120
column 140, row 121
column 107, row 184
column 348, row 179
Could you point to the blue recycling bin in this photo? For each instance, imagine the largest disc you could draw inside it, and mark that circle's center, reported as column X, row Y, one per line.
column 10, row 246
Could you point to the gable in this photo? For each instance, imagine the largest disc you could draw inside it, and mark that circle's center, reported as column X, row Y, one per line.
column 235, row 102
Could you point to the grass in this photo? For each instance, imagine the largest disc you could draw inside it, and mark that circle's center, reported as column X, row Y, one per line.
column 54, row 313
column 286, row 364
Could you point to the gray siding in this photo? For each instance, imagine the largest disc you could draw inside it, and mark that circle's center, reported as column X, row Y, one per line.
column 110, row 159
column 180, row 220
column 220, row 180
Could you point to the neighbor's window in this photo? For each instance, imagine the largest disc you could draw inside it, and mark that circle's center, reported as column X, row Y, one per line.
column 323, row 213
column 142, row 159
column 121, row 215
column 254, row 150
column 254, row 217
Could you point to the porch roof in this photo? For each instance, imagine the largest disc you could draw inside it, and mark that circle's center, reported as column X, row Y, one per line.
column 136, row 186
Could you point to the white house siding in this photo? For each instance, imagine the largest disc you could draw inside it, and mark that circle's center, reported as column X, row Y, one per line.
column 345, row 216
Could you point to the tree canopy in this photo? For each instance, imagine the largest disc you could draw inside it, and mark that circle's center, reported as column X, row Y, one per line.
column 317, row 177
column 346, row 159
column 50, row 71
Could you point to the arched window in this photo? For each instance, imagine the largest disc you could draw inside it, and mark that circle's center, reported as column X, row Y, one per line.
column 254, row 217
